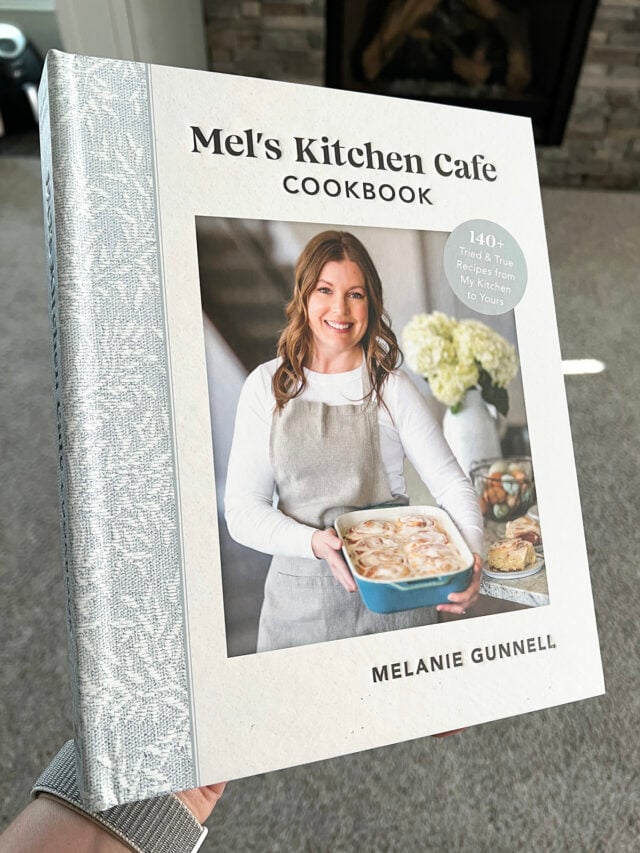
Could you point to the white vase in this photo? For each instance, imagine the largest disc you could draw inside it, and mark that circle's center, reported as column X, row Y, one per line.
column 472, row 433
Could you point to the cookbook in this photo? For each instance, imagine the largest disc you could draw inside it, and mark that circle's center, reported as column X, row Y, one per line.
column 304, row 348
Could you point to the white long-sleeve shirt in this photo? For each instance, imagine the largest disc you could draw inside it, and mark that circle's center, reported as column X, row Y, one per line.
column 407, row 428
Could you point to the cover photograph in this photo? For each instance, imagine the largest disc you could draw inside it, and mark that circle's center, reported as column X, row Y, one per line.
column 316, row 478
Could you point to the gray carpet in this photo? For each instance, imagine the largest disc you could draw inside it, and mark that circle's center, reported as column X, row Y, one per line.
column 563, row 779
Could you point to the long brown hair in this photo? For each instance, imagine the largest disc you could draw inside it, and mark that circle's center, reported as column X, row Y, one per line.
column 381, row 351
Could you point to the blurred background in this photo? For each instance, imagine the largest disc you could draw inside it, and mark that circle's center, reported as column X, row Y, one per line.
column 571, row 65
column 562, row 779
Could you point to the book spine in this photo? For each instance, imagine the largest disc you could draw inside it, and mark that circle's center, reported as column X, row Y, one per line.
column 118, row 485
column 48, row 204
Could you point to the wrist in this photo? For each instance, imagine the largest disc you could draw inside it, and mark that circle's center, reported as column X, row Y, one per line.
column 314, row 544
column 145, row 826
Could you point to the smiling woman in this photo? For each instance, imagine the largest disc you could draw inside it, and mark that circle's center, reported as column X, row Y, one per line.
column 335, row 319
column 338, row 313
column 325, row 427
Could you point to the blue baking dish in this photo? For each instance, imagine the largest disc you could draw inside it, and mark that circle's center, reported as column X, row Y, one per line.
column 392, row 596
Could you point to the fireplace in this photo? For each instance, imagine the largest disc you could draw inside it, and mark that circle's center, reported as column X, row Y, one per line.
column 514, row 56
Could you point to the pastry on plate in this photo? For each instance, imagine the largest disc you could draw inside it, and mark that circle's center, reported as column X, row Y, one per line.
column 526, row 528
column 511, row 555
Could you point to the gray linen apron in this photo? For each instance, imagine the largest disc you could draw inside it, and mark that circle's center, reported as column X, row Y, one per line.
column 326, row 461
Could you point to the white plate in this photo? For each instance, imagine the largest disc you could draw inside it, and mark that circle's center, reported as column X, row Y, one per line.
column 522, row 573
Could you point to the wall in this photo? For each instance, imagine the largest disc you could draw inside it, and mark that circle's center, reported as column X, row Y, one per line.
column 143, row 30
column 601, row 149
column 601, row 146
column 261, row 38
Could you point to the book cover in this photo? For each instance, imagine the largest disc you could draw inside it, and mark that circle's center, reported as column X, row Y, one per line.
column 234, row 266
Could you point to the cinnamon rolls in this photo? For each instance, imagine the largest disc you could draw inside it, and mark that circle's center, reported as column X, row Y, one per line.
column 414, row 546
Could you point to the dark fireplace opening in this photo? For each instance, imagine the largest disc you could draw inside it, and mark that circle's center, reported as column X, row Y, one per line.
column 514, row 56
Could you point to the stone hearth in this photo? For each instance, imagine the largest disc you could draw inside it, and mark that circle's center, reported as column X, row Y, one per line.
column 601, row 145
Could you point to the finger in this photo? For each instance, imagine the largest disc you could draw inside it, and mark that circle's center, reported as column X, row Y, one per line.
column 342, row 574
column 349, row 583
column 333, row 540
column 451, row 608
column 338, row 559
column 466, row 602
column 465, row 599
column 201, row 801
column 471, row 591
column 462, row 598
column 217, row 789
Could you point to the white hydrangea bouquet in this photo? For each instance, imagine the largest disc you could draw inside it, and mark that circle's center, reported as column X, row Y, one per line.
column 456, row 355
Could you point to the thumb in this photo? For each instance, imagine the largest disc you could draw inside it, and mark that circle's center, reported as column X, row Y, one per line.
column 335, row 541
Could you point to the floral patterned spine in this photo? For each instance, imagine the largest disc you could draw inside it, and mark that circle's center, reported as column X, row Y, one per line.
column 118, row 500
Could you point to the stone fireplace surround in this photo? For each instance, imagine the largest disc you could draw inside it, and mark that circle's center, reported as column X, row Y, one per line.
column 601, row 145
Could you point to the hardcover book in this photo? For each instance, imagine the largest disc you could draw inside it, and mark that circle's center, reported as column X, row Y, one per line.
column 316, row 479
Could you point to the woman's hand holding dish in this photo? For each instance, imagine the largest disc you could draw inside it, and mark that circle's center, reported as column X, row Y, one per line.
column 463, row 601
column 327, row 546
